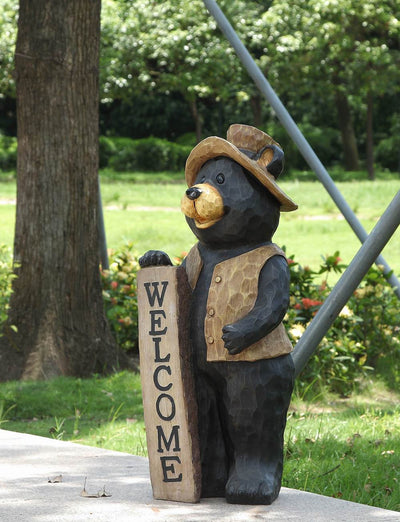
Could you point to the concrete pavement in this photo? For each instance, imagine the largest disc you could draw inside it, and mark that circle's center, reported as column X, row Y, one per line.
column 27, row 462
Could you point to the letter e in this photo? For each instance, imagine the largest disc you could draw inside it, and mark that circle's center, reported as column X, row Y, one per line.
column 171, row 468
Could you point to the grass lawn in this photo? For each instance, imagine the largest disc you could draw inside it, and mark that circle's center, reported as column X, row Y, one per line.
column 103, row 411
column 7, row 223
column 349, row 448
column 148, row 213
column 335, row 445
column 346, row 448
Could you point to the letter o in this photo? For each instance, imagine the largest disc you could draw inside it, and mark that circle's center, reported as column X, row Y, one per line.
column 173, row 409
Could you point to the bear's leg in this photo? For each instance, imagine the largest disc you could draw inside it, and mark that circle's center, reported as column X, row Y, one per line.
column 256, row 400
column 214, row 460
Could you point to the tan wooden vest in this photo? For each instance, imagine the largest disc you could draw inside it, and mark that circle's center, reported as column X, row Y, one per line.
column 232, row 294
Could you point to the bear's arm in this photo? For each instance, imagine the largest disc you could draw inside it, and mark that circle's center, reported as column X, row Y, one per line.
column 269, row 309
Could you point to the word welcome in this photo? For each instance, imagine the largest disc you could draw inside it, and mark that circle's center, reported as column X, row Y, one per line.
column 165, row 402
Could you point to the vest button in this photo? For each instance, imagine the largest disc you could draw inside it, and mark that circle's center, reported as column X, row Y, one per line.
column 210, row 340
column 211, row 312
column 218, row 279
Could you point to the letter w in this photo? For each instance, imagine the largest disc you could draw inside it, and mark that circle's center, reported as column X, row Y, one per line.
column 152, row 296
column 168, row 443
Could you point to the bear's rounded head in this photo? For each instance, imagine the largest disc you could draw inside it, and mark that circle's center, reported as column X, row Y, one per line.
column 227, row 206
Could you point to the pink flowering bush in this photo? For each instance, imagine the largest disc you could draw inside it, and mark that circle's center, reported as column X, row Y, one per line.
column 364, row 337
column 119, row 296
column 6, row 277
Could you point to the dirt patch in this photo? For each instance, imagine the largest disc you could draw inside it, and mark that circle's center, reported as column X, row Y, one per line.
column 142, row 208
column 372, row 395
column 323, row 217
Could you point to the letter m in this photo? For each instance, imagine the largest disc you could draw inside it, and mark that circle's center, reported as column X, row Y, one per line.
column 153, row 294
column 168, row 443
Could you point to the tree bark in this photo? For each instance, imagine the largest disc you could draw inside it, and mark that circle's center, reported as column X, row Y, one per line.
column 57, row 305
column 370, row 137
column 197, row 119
column 256, row 108
column 345, row 121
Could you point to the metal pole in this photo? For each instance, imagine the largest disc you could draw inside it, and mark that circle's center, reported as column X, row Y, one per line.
column 295, row 133
column 346, row 285
column 101, row 231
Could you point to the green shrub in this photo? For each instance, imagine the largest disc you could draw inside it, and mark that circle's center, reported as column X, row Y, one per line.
column 148, row 154
column 8, row 152
column 324, row 141
column 107, row 149
column 6, row 277
column 387, row 153
column 119, row 296
column 363, row 337
column 188, row 139
column 120, row 154
column 377, row 326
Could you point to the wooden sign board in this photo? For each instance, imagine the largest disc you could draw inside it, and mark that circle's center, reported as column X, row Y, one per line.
column 170, row 408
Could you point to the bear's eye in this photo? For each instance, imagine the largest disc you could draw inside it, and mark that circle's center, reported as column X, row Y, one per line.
column 220, row 178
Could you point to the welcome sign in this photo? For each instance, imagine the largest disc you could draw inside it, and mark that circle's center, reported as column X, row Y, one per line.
column 170, row 408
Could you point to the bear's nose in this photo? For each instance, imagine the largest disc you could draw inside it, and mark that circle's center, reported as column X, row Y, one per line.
column 193, row 193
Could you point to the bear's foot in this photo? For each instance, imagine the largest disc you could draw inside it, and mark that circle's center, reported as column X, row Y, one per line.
column 256, row 484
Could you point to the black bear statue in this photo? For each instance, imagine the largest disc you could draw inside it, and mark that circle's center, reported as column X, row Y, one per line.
column 242, row 365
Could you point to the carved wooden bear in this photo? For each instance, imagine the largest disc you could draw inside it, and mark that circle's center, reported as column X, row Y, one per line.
column 240, row 280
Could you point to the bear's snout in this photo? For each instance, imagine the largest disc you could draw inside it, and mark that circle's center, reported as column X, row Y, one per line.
column 204, row 204
column 193, row 193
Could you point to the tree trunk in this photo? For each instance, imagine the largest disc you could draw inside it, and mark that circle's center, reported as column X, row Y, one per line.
column 349, row 143
column 57, row 305
column 197, row 119
column 370, row 137
column 255, row 103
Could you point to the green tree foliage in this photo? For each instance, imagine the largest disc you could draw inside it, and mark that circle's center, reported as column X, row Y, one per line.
column 167, row 47
column 8, row 35
column 333, row 52
column 334, row 63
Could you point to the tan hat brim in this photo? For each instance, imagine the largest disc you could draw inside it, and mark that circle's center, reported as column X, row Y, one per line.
column 214, row 146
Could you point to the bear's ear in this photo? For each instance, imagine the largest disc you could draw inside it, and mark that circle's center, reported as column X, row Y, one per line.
column 273, row 158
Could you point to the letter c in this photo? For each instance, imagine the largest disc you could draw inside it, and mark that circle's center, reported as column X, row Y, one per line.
column 156, row 377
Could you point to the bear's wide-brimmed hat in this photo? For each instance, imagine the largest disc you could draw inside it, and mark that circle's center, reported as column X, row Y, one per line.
column 252, row 148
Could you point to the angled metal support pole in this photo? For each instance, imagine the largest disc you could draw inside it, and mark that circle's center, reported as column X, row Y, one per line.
column 346, row 285
column 101, row 231
column 295, row 133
